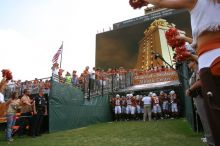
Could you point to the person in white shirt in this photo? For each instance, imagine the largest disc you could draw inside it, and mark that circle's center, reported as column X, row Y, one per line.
column 55, row 70
column 11, row 85
column 92, row 79
column 147, row 107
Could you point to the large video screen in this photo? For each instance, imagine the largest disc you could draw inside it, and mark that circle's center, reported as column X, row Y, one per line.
column 119, row 47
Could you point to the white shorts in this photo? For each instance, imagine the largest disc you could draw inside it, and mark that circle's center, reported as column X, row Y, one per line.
column 142, row 110
column 123, row 109
column 117, row 109
column 156, row 108
column 133, row 109
column 174, row 107
column 128, row 109
column 138, row 109
column 165, row 105
column 206, row 59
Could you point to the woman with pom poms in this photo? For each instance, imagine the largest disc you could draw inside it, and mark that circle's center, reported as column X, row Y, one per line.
column 7, row 75
column 206, row 38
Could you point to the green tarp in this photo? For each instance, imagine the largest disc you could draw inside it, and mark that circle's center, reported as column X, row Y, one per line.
column 69, row 109
column 186, row 101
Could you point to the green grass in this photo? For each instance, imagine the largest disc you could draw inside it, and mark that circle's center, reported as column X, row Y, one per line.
column 155, row 133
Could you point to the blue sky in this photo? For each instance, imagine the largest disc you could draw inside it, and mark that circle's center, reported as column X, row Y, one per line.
column 31, row 31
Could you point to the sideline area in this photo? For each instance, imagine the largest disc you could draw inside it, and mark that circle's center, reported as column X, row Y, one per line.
column 175, row 132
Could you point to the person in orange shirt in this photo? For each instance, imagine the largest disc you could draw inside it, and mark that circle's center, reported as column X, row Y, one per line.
column 86, row 80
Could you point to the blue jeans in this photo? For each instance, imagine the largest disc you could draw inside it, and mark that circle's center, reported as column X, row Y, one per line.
column 10, row 122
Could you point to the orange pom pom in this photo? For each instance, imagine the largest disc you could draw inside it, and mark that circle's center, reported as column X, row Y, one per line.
column 7, row 74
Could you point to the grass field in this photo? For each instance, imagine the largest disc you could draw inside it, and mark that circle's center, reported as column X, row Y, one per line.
column 155, row 133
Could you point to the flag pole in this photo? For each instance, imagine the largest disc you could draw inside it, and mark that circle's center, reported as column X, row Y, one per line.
column 61, row 55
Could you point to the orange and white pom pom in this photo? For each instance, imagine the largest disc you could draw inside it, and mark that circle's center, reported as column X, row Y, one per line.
column 138, row 3
column 7, row 74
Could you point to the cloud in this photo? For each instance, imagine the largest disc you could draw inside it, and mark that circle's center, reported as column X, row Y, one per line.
column 36, row 30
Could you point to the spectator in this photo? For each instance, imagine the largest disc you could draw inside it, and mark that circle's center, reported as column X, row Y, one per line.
column 55, row 70
column 98, row 78
column 47, row 87
column 92, row 79
column 11, row 113
column 60, row 74
column 11, row 85
column 86, row 80
column 195, row 92
column 75, row 80
column 26, row 109
column 68, row 78
column 39, row 109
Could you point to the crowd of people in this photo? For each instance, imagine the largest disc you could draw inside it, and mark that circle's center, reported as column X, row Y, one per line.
column 98, row 80
column 162, row 105
column 206, row 41
column 33, row 86
column 27, row 101
column 25, row 114
column 25, row 106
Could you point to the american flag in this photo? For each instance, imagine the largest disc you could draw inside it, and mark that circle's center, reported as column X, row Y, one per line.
column 56, row 56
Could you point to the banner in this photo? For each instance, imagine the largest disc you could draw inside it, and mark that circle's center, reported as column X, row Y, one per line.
column 154, row 77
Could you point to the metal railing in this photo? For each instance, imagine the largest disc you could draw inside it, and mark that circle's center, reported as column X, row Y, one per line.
column 106, row 83
column 30, row 85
